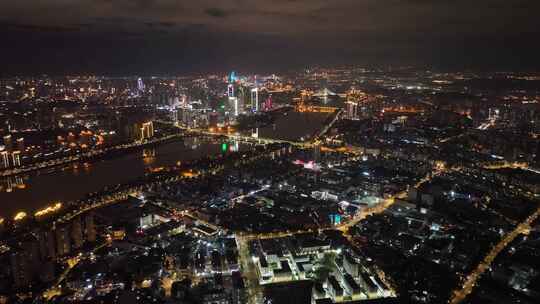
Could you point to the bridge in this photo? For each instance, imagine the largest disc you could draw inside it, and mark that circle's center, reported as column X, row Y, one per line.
column 248, row 139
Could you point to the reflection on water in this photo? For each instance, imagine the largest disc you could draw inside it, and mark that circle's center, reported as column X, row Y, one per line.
column 298, row 126
column 71, row 182
column 149, row 156
column 12, row 182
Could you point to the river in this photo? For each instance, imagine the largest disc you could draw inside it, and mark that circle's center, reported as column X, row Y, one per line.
column 36, row 190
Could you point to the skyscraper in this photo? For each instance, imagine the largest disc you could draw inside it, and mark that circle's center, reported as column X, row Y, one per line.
column 76, row 233
column 351, row 110
column 16, row 158
column 89, row 228
column 63, row 240
column 255, row 99
column 234, row 105
column 140, row 85
column 230, row 90
column 4, row 159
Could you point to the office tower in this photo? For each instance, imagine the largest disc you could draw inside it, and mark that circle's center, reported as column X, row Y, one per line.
column 230, row 90
column 140, row 85
column 255, row 99
column 8, row 143
column 234, row 105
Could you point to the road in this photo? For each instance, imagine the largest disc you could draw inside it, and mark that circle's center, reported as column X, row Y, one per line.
column 249, row 271
column 469, row 284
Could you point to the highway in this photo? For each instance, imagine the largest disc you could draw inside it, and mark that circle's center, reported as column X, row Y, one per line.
column 249, row 271
column 463, row 291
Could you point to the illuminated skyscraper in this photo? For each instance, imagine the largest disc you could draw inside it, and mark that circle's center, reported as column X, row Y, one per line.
column 255, row 99
column 16, row 158
column 4, row 159
column 230, row 90
column 352, row 110
column 232, row 77
column 140, row 85
column 147, row 130
column 234, row 105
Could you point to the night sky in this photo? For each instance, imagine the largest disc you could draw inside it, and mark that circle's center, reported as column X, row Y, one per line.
column 176, row 36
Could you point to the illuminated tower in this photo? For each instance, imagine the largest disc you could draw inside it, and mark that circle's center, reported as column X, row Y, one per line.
column 255, row 99
column 234, row 105
column 140, row 85
column 147, row 130
column 230, row 87
column 352, row 110
column 232, row 77
column 230, row 90
column 4, row 159
column 16, row 158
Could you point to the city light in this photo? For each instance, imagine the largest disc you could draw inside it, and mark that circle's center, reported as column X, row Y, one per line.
column 48, row 210
column 19, row 216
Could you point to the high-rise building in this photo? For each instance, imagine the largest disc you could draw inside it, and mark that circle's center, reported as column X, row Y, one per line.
column 255, row 99
column 89, row 228
column 76, row 233
column 316, row 153
column 230, row 90
column 8, row 142
column 20, row 144
column 140, row 85
column 351, row 110
column 16, row 155
column 174, row 116
column 63, row 240
column 146, row 130
column 47, row 246
column 4, row 159
column 234, row 106
column 25, row 262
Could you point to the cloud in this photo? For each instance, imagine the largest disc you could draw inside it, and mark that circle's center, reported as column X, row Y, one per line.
column 215, row 12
